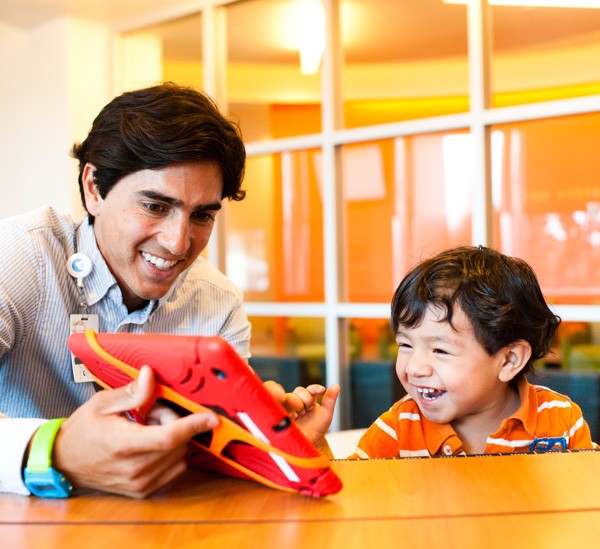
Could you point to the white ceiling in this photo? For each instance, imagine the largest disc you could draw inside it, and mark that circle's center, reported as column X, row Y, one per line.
column 372, row 29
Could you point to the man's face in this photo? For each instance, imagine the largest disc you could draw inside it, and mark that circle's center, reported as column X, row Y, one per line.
column 153, row 224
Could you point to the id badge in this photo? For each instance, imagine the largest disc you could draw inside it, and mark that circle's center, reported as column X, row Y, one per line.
column 78, row 324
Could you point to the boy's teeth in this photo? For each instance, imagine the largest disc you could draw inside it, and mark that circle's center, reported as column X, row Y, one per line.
column 158, row 262
column 428, row 393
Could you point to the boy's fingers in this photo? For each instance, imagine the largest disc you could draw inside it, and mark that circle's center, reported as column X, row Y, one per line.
column 330, row 398
column 276, row 390
column 305, row 397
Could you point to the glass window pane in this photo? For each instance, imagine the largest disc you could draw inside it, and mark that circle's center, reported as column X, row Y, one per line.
column 577, row 347
column 541, row 53
column 374, row 384
column 182, row 50
column 372, row 339
column 403, row 60
column 266, row 87
column 168, row 51
column 275, row 235
column 547, row 202
column 404, row 199
column 289, row 350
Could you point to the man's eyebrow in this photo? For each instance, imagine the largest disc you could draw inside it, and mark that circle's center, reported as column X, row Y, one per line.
column 153, row 195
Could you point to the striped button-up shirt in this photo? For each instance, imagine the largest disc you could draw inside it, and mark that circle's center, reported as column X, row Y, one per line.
column 37, row 297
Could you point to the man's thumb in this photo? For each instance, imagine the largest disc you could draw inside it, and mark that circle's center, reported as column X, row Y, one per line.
column 132, row 396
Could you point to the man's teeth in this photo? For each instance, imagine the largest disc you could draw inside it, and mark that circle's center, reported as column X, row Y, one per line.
column 428, row 393
column 159, row 262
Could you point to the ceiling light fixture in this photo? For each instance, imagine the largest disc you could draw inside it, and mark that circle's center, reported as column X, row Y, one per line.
column 538, row 3
column 310, row 28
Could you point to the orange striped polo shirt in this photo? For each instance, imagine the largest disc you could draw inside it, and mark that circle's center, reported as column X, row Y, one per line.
column 545, row 421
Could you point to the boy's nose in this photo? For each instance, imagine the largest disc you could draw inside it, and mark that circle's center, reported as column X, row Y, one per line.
column 418, row 367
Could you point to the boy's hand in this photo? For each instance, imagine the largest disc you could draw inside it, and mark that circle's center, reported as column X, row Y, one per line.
column 312, row 408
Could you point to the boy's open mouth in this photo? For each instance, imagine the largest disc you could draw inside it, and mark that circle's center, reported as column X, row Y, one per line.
column 427, row 393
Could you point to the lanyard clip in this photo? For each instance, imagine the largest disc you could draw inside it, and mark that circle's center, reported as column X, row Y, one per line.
column 79, row 266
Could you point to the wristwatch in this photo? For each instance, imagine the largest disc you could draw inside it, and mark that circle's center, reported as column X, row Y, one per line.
column 40, row 477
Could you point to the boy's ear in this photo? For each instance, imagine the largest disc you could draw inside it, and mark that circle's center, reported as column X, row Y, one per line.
column 92, row 196
column 516, row 356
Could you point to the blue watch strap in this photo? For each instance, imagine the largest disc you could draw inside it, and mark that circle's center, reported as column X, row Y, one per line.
column 40, row 477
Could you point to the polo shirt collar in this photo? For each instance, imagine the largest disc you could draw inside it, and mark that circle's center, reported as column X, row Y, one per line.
column 527, row 413
column 440, row 438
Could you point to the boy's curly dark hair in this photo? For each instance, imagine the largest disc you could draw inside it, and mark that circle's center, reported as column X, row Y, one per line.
column 499, row 294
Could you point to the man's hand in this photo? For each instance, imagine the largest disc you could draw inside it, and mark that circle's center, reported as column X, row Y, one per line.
column 98, row 447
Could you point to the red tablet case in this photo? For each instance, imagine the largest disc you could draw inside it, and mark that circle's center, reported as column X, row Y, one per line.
column 255, row 438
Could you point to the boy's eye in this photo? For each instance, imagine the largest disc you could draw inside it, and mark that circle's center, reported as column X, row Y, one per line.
column 440, row 351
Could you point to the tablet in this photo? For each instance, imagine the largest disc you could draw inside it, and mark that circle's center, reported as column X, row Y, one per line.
column 255, row 438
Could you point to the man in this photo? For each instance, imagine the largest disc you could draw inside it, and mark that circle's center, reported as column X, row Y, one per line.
column 152, row 174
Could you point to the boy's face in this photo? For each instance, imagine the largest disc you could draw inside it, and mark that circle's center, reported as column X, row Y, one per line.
column 449, row 374
column 153, row 224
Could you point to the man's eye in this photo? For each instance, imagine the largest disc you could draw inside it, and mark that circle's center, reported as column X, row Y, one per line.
column 154, row 207
column 203, row 217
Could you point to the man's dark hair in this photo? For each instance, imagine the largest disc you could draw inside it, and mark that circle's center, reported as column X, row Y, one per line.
column 157, row 127
column 500, row 296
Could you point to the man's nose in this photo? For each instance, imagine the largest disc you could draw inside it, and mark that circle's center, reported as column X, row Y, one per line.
column 175, row 235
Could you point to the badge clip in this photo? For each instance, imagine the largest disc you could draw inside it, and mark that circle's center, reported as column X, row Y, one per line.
column 79, row 266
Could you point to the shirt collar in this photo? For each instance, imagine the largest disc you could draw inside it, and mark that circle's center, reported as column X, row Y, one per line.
column 98, row 283
column 440, row 438
column 526, row 414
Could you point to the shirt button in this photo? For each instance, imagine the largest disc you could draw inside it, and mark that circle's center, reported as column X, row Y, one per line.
column 448, row 450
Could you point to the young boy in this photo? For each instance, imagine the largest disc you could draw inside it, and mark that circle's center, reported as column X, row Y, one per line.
column 469, row 324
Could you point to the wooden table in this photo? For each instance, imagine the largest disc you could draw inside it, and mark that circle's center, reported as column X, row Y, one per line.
column 525, row 501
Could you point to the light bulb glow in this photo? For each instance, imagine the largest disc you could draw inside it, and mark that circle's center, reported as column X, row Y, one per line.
column 310, row 26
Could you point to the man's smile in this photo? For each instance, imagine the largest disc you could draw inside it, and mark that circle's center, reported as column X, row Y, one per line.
column 159, row 262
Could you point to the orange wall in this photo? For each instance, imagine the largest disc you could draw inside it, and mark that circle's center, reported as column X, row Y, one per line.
column 559, row 170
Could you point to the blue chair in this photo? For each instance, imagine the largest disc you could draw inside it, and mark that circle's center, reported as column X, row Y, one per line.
column 288, row 371
column 374, row 387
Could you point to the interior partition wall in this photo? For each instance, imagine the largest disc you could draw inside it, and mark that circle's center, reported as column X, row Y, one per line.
column 425, row 125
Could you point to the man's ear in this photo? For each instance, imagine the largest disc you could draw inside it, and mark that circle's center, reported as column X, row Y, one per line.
column 516, row 356
column 90, row 190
